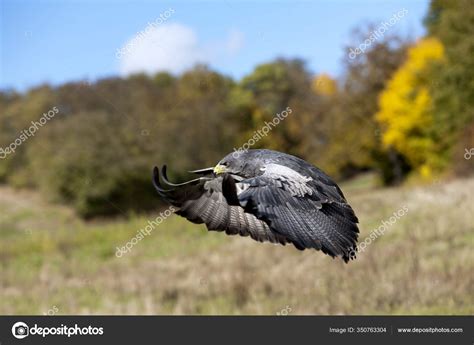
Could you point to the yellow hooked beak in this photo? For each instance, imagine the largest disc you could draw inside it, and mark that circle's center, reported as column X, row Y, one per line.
column 219, row 169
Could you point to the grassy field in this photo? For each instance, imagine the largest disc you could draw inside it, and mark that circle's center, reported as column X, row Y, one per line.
column 54, row 263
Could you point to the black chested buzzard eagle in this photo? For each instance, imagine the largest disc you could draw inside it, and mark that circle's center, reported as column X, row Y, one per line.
column 269, row 196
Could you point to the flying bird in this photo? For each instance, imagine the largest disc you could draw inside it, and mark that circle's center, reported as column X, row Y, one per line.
column 270, row 196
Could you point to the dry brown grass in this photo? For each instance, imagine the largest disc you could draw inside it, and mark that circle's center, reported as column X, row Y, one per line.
column 422, row 265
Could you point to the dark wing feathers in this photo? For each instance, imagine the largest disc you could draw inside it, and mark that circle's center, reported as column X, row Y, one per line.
column 202, row 201
column 320, row 220
column 178, row 192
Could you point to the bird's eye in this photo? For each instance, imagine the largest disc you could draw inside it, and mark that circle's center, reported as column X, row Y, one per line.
column 225, row 164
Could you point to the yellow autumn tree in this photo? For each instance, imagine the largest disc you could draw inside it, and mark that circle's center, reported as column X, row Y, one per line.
column 324, row 85
column 406, row 111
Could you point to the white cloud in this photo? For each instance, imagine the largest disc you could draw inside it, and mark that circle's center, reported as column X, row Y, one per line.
column 170, row 47
column 173, row 48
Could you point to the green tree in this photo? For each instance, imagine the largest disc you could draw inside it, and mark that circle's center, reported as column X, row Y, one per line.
column 274, row 87
column 452, row 83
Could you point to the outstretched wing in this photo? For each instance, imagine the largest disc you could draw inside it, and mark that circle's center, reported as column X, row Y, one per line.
column 310, row 211
column 202, row 200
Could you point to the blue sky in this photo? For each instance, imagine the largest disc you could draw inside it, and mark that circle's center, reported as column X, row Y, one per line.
column 58, row 41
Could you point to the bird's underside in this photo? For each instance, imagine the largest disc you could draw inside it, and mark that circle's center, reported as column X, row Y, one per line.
column 281, row 205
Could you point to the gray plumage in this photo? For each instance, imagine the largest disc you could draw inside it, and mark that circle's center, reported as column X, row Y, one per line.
column 269, row 196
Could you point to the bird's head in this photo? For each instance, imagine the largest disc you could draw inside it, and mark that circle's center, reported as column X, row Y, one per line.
column 240, row 163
